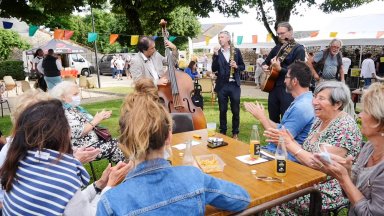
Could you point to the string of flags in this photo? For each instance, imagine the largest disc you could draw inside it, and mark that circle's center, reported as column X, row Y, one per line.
column 93, row 36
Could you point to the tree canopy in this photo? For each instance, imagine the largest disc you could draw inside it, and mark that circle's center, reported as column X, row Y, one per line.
column 8, row 41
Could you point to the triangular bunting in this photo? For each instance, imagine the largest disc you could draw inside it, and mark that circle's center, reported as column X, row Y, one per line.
column 134, row 39
column 379, row 34
column 172, row 38
column 239, row 40
column 7, row 25
column 92, row 36
column 58, row 34
column 32, row 30
column 113, row 38
column 207, row 39
column 333, row 34
column 254, row 39
column 68, row 34
column 314, row 34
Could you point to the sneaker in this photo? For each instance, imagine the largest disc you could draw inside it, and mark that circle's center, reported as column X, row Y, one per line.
column 235, row 136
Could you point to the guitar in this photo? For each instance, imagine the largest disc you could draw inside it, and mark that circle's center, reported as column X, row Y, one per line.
column 268, row 79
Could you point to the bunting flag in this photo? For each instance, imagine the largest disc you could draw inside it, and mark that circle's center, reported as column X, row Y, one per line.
column 113, row 38
column 92, row 36
column 269, row 38
column 314, row 34
column 58, row 34
column 239, row 40
column 172, row 38
column 68, row 34
column 32, row 30
column 134, row 39
column 254, row 39
column 154, row 37
column 379, row 34
column 7, row 25
column 207, row 39
column 333, row 34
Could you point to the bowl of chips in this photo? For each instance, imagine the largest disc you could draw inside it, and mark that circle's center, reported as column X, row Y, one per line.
column 210, row 163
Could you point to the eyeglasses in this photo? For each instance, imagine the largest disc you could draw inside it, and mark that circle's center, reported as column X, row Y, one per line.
column 335, row 47
column 288, row 77
column 269, row 179
column 281, row 33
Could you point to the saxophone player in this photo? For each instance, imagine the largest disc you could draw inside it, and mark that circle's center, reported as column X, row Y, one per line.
column 228, row 84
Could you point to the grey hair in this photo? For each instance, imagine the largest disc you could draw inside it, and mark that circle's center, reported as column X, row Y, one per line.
column 285, row 25
column 62, row 89
column 339, row 92
column 228, row 34
column 372, row 98
column 334, row 41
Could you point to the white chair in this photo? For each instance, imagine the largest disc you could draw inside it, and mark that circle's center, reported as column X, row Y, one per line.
column 83, row 84
column 10, row 84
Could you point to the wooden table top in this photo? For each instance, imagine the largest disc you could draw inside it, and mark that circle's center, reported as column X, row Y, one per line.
column 298, row 176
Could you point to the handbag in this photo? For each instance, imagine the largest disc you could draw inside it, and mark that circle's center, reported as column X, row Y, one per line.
column 102, row 133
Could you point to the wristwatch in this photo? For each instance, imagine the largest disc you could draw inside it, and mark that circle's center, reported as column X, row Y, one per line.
column 98, row 190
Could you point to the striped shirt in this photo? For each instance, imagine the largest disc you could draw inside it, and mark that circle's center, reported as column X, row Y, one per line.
column 44, row 184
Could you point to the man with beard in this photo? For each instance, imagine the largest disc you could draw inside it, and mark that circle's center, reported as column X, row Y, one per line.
column 227, row 83
column 300, row 114
column 280, row 57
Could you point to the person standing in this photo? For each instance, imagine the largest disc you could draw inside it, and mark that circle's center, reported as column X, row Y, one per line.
column 380, row 64
column 368, row 70
column 113, row 67
column 120, row 63
column 346, row 63
column 258, row 70
column 148, row 63
column 38, row 57
column 51, row 66
column 328, row 64
column 227, row 84
column 280, row 57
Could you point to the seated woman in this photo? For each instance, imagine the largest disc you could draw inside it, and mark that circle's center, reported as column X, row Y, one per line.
column 40, row 175
column 332, row 126
column 154, row 187
column 364, row 184
column 82, row 122
column 191, row 70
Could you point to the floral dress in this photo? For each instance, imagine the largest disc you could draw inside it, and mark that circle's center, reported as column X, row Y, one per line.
column 77, row 118
column 341, row 132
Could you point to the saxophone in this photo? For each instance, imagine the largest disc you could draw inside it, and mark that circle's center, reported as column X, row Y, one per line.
column 231, row 57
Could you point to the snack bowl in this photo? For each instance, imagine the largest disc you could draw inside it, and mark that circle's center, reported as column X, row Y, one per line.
column 210, row 163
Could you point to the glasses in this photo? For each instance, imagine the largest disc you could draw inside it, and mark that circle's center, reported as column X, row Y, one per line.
column 281, row 33
column 335, row 47
column 288, row 77
column 269, row 179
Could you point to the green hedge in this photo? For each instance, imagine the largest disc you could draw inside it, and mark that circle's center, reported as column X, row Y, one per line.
column 12, row 68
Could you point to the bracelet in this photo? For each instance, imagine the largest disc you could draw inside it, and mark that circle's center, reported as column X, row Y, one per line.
column 98, row 190
column 91, row 124
column 298, row 151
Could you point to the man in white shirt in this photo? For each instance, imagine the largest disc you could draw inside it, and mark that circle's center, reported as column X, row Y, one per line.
column 346, row 63
column 120, row 63
column 148, row 63
column 368, row 70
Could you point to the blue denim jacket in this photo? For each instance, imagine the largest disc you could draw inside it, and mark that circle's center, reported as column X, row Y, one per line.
column 154, row 187
column 298, row 120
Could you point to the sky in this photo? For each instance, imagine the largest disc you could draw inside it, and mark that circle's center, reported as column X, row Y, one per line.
column 310, row 16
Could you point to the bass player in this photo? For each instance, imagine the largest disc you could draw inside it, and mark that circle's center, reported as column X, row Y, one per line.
column 278, row 60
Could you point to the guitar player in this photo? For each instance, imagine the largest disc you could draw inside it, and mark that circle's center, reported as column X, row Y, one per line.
column 280, row 57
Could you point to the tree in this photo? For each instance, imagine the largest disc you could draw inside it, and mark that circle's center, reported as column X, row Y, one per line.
column 8, row 41
column 284, row 8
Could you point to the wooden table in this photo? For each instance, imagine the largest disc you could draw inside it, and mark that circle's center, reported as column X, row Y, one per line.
column 264, row 195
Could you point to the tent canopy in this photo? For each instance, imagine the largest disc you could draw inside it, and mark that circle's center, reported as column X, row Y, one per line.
column 59, row 47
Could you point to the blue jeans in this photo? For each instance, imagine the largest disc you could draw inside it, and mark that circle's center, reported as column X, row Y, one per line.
column 52, row 81
column 367, row 82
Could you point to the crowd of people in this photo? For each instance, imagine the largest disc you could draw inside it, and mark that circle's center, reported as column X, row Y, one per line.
column 42, row 160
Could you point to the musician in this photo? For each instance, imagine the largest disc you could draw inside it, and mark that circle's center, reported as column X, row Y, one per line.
column 280, row 57
column 148, row 63
column 227, row 84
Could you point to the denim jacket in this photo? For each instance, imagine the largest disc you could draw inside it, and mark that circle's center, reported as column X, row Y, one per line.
column 156, row 188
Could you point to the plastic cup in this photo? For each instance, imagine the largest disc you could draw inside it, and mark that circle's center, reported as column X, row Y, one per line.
column 211, row 127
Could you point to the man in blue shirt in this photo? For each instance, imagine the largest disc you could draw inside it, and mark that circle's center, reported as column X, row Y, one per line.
column 300, row 114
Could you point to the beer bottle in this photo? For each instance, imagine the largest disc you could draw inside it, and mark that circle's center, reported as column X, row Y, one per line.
column 254, row 143
column 281, row 158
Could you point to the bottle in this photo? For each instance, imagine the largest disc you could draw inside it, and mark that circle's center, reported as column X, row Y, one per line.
column 281, row 158
column 188, row 157
column 254, row 143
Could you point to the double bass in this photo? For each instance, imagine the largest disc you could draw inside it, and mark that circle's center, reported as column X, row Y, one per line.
column 176, row 95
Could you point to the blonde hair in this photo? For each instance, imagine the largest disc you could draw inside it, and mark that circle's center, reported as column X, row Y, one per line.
column 144, row 122
column 372, row 100
column 28, row 98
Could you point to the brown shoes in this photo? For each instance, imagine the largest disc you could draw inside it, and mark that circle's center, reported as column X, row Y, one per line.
column 235, row 136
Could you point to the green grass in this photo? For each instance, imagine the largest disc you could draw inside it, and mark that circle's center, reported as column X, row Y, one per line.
column 120, row 90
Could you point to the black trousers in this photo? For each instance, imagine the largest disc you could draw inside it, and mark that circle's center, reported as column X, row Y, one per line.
column 232, row 92
column 278, row 102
